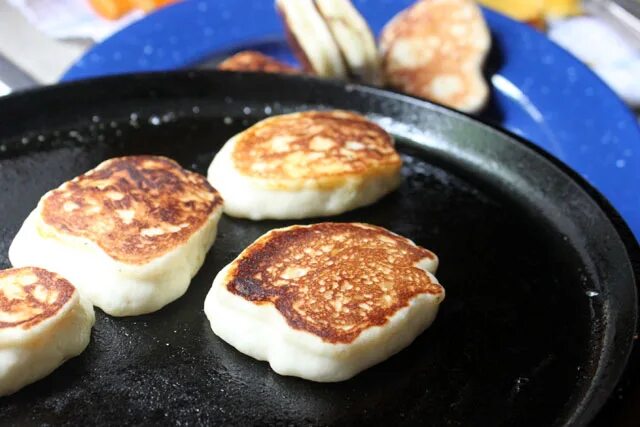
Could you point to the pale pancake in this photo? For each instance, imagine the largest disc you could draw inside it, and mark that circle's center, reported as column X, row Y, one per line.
column 325, row 301
column 129, row 234
column 310, row 39
column 43, row 322
column 300, row 165
column 354, row 39
column 253, row 61
column 435, row 50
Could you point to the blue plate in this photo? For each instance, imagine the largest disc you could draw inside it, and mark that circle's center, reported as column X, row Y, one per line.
column 540, row 91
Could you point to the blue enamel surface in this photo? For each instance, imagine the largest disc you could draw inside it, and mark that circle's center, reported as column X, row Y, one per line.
column 539, row 90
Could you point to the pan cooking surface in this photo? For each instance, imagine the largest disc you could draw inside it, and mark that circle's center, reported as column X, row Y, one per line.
column 519, row 337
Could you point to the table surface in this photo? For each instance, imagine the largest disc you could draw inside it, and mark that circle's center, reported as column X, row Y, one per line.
column 43, row 58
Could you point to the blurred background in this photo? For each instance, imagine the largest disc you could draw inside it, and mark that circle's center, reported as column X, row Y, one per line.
column 41, row 39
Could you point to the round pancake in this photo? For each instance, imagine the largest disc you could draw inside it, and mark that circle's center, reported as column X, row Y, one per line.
column 334, row 280
column 253, row 61
column 31, row 298
column 134, row 208
column 435, row 50
column 318, row 149
column 44, row 321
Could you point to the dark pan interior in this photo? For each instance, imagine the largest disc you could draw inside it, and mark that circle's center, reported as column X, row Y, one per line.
column 540, row 309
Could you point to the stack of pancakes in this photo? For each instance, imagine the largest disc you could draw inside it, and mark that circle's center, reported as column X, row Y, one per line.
column 434, row 50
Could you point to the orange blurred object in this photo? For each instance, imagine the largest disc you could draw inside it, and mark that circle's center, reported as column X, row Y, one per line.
column 149, row 5
column 111, row 9
column 535, row 12
column 562, row 8
column 115, row 9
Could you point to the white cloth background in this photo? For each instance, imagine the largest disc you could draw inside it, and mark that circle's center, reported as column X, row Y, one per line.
column 66, row 19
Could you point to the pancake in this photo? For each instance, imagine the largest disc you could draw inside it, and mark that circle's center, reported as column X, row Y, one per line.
column 130, row 234
column 354, row 39
column 253, row 61
column 43, row 322
column 326, row 301
column 310, row 39
column 314, row 163
column 435, row 50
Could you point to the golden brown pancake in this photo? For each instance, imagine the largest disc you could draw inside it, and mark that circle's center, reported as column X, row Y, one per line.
column 435, row 50
column 44, row 321
column 324, row 146
column 29, row 296
column 135, row 208
column 333, row 280
column 253, row 61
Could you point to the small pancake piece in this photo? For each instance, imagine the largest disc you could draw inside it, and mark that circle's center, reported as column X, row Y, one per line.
column 435, row 50
column 325, row 301
column 354, row 39
column 43, row 322
column 314, row 163
column 252, row 61
column 310, row 39
column 130, row 234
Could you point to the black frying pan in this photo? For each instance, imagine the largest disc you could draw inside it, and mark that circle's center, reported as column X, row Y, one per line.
column 541, row 293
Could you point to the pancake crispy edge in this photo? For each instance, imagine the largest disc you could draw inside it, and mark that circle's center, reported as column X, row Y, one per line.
column 317, row 149
column 333, row 280
column 134, row 208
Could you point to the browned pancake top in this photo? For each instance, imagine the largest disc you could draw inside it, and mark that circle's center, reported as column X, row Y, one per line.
column 31, row 295
column 333, row 280
column 249, row 60
column 435, row 49
column 135, row 208
column 323, row 146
